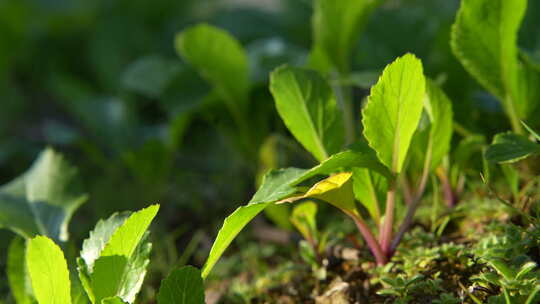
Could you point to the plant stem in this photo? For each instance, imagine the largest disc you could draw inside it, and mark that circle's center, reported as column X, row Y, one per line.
column 449, row 196
column 386, row 229
column 372, row 243
column 407, row 193
column 412, row 207
column 511, row 111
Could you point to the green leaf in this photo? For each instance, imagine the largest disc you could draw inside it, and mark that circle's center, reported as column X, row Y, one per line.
column 359, row 155
column 183, row 286
column 127, row 237
column 232, row 225
column 303, row 218
column 484, row 39
column 17, row 274
column 48, row 271
column 43, row 199
column 336, row 190
column 78, row 294
column 369, row 188
column 220, row 59
column 306, row 104
column 99, row 237
column 121, row 276
column 276, row 185
column 279, row 184
column 121, row 266
column 509, row 148
column 439, row 110
column 393, row 110
column 337, row 25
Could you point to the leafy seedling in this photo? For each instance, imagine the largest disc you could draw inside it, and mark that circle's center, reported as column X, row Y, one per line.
column 115, row 256
column 390, row 120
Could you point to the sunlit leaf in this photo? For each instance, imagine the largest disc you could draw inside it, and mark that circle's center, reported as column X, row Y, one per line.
column 484, row 39
column 115, row 256
column 308, row 108
column 48, row 271
column 393, row 110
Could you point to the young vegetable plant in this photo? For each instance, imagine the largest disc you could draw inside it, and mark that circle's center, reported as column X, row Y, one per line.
column 362, row 171
column 111, row 268
column 484, row 39
column 217, row 55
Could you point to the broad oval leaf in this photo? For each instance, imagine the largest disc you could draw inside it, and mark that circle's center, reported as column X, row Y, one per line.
column 337, row 25
column 183, row 286
column 439, row 110
column 434, row 139
column 484, row 39
column 509, row 148
column 336, row 190
column 393, row 110
column 306, row 104
column 220, row 59
column 42, row 200
column 48, row 271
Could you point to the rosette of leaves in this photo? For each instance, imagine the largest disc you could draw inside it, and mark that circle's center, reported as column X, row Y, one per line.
column 111, row 268
column 354, row 177
column 115, row 256
column 40, row 201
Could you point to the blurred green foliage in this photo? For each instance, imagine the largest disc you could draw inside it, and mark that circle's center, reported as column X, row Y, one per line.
column 101, row 81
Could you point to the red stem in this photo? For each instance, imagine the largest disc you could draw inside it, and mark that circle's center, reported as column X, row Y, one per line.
column 386, row 233
column 449, row 196
column 372, row 243
column 407, row 222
